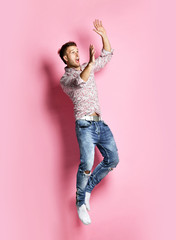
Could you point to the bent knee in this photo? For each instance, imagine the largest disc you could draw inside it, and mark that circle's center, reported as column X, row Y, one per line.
column 115, row 161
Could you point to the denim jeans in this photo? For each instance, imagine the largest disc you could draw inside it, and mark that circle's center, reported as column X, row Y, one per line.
column 90, row 134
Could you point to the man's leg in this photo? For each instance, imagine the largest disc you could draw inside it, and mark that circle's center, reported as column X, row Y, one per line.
column 108, row 149
column 87, row 149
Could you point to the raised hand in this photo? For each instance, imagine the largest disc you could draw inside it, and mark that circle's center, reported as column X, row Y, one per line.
column 92, row 54
column 99, row 28
column 87, row 70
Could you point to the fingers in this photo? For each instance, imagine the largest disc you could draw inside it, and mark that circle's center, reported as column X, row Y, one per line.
column 97, row 23
column 92, row 54
column 92, row 49
column 95, row 30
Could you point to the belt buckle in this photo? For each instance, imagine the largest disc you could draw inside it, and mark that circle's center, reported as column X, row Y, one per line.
column 96, row 118
column 91, row 118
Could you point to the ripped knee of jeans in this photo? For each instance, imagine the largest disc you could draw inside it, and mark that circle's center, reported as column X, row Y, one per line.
column 110, row 169
column 87, row 173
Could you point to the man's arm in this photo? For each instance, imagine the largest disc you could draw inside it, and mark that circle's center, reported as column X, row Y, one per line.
column 102, row 32
column 104, row 58
column 86, row 72
column 107, row 51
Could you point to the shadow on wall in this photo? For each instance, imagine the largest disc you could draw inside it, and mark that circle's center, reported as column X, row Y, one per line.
column 60, row 109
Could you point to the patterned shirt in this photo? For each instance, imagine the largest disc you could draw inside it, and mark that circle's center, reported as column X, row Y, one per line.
column 84, row 94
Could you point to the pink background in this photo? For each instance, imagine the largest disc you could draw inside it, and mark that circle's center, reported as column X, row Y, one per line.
column 39, row 153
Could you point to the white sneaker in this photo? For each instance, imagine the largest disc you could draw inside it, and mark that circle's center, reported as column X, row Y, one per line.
column 83, row 214
column 87, row 199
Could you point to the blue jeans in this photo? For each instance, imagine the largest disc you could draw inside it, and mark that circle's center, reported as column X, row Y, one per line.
column 90, row 134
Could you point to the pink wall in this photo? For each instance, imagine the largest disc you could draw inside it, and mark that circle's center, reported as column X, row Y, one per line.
column 39, row 152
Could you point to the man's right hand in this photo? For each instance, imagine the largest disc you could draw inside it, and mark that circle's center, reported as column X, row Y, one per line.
column 87, row 70
column 92, row 54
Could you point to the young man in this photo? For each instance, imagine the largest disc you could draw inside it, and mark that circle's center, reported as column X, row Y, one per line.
column 79, row 84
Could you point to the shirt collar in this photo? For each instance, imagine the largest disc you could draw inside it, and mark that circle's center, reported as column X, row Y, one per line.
column 68, row 69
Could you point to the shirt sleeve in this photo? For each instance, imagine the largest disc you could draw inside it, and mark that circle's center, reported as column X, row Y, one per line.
column 72, row 81
column 103, row 59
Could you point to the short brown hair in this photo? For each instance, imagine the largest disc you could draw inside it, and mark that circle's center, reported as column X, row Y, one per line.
column 62, row 50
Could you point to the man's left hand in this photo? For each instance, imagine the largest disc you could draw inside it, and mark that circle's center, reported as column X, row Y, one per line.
column 99, row 28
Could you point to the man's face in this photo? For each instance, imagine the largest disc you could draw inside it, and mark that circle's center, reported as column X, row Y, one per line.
column 72, row 57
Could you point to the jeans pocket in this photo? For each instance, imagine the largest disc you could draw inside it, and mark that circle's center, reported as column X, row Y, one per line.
column 83, row 123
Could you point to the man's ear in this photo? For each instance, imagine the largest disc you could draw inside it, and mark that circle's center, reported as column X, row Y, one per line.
column 65, row 58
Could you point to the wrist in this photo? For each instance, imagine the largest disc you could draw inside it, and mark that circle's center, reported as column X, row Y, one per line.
column 104, row 36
